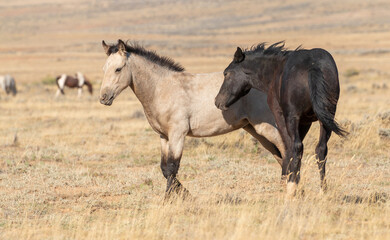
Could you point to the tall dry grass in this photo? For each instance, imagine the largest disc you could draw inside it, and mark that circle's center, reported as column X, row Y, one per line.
column 80, row 170
column 74, row 169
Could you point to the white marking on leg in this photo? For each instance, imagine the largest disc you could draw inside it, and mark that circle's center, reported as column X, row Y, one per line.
column 58, row 93
column 322, row 192
column 291, row 189
column 80, row 90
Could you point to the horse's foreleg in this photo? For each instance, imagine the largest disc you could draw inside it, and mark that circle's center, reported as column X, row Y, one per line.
column 80, row 90
column 294, row 166
column 281, row 126
column 58, row 93
column 322, row 151
column 171, row 152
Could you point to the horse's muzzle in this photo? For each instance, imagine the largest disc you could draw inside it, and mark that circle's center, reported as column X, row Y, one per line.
column 221, row 106
column 106, row 100
column 223, row 101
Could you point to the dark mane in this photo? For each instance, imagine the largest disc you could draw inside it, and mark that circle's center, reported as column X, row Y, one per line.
column 276, row 49
column 133, row 47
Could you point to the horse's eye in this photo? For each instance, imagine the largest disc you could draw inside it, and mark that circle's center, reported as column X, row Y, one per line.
column 118, row 70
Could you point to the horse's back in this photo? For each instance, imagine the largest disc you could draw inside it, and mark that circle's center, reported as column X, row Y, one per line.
column 307, row 58
column 305, row 72
column 66, row 80
column 299, row 63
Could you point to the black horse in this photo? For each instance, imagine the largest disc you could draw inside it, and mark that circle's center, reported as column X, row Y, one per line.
column 302, row 87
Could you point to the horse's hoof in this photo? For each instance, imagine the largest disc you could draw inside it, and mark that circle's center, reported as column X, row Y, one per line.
column 291, row 190
column 283, row 180
column 324, row 188
column 182, row 194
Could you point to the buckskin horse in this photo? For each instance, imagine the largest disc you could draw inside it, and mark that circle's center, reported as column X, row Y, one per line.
column 73, row 82
column 302, row 87
column 179, row 104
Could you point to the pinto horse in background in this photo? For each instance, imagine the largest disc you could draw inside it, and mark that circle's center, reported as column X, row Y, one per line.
column 302, row 87
column 7, row 83
column 72, row 82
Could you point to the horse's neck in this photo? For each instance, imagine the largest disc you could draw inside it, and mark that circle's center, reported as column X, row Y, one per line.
column 146, row 77
column 270, row 70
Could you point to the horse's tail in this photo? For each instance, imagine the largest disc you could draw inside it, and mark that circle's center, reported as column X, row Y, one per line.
column 324, row 100
column 89, row 85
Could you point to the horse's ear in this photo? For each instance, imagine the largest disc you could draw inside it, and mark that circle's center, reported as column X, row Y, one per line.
column 239, row 55
column 106, row 48
column 121, row 47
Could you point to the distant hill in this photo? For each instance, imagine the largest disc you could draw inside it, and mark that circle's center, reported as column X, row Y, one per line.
column 53, row 36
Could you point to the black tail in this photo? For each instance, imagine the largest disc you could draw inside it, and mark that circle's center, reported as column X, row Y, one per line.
column 324, row 101
column 14, row 90
column 89, row 85
column 13, row 86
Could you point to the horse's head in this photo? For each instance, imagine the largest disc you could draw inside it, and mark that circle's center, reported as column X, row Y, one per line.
column 236, row 82
column 117, row 74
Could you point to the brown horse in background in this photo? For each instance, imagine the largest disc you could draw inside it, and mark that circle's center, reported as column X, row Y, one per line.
column 73, row 82
column 302, row 87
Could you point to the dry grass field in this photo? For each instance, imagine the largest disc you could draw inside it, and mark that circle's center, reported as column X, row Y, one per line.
column 75, row 169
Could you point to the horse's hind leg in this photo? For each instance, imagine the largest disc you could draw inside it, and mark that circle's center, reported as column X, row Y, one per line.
column 303, row 129
column 269, row 138
column 322, row 151
column 171, row 152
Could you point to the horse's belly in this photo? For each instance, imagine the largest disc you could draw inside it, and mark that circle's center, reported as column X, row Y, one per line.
column 212, row 128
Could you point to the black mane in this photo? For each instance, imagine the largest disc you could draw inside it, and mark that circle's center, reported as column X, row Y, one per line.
column 276, row 49
column 133, row 47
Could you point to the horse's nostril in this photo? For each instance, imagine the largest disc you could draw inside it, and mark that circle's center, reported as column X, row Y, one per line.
column 104, row 97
